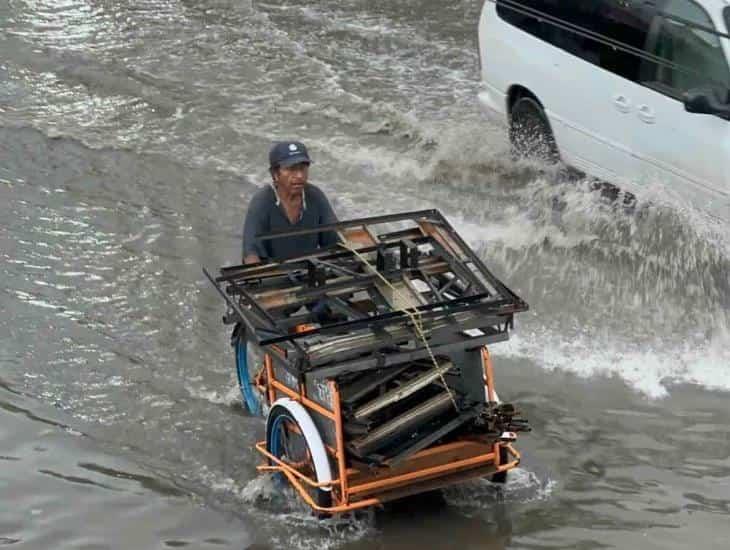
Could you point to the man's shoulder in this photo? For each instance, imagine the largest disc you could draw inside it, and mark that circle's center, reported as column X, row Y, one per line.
column 262, row 197
column 260, row 206
column 315, row 193
column 263, row 193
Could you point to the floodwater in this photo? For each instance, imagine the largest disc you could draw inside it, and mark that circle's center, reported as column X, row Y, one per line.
column 132, row 136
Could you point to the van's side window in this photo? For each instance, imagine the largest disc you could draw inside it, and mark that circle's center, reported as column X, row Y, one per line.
column 520, row 14
column 696, row 56
column 625, row 21
column 525, row 14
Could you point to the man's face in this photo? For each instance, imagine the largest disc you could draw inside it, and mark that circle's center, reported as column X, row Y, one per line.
column 292, row 179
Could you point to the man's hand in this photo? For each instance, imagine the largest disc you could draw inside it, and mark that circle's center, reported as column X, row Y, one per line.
column 251, row 259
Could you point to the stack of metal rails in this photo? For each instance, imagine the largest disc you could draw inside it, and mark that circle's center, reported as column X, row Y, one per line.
column 396, row 316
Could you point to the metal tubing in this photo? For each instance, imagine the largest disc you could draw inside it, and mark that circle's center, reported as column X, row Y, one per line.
column 401, row 337
column 340, row 437
column 514, row 452
column 499, row 285
column 361, row 388
column 406, row 420
column 281, row 465
column 294, row 476
column 394, row 358
column 405, row 390
column 270, row 380
column 426, row 472
column 333, row 509
column 430, row 310
column 488, row 374
column 308, row 403
column 388, row 218
column 403, row 453
column 231, row 303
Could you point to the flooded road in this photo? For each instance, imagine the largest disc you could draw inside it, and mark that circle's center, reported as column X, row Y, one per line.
column 133, row 134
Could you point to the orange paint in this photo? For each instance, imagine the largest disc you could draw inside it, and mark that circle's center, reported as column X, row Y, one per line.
column 424, row 473
column 488, row 374
column 340, row 437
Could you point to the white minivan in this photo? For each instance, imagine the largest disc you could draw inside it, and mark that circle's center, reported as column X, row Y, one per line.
column 633, row 92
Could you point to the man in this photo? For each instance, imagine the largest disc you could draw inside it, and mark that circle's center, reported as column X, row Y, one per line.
column 290, row 202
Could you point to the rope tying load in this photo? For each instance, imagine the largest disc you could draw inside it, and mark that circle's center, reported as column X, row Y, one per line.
column 413, row 314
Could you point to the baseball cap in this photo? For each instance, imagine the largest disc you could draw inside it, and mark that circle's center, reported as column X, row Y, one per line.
column 288, row 153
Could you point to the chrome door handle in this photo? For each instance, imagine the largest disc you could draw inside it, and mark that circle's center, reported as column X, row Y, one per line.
column 622, row 103
column 646, row 114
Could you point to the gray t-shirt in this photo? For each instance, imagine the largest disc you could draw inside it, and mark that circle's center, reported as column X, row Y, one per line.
column 265, row 216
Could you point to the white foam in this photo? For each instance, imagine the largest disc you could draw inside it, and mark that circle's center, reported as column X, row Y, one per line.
column 597, row 339
column 481, row 494
column 663, row 324
column 709, row 366
column 229, row 396
column 280, row 504
column 649, row 369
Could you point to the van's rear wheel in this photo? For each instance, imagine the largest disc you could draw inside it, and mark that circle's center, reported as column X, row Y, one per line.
column 529, row 132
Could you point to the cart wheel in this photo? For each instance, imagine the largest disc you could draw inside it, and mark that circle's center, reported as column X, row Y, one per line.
column 292, row 436
column 501, row 477
column 248, row 392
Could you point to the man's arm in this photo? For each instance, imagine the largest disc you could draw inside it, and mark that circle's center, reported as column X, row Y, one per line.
column 251, row 259
column 253, row 250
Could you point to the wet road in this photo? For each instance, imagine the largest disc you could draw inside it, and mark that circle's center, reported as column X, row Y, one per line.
column 133, row 134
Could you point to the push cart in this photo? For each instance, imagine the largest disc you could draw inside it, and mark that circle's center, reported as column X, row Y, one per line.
column 376, row 379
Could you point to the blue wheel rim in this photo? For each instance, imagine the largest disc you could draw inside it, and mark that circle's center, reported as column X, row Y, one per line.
column 248, row 392
column 274, row 442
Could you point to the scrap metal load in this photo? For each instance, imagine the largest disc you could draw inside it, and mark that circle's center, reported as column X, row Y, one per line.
column 383, row 339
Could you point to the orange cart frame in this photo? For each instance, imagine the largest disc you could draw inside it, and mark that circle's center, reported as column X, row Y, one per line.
column 431, row 468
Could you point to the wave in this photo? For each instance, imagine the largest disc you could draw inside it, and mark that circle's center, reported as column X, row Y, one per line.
column 618, row 286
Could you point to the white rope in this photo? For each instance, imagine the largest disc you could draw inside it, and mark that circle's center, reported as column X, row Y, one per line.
column 413, row 314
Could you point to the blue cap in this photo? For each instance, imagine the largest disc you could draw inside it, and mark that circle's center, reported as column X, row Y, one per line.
column 288, row 153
